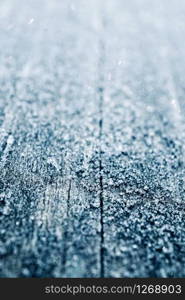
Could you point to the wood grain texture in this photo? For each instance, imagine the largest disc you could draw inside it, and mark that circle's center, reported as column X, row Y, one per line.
column 92, row 126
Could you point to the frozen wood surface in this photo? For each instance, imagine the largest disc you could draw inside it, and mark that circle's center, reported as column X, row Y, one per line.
column 92, row 138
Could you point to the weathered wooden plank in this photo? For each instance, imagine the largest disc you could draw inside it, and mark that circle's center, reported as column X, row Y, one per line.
column 143, row 159
column 49, row 171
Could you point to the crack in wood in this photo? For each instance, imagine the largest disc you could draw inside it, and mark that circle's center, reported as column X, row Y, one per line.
column 101, row 198
column 64, row 257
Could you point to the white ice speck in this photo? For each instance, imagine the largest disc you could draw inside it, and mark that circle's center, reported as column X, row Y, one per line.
column 10, row 140
column 54, row 162
column 31, row 21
